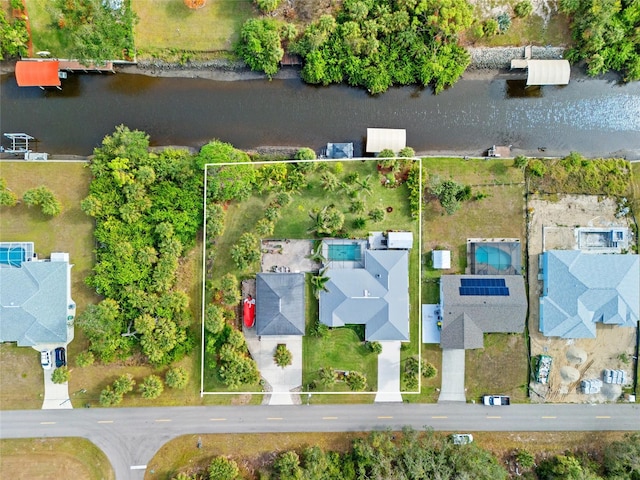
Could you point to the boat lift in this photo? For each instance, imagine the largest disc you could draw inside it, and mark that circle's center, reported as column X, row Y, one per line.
column 20, row 145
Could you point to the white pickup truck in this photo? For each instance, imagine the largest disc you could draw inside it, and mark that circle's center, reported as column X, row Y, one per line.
column 496, row 400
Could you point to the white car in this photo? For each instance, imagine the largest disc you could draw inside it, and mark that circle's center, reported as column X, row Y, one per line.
column 45, row 359
column 462, row 438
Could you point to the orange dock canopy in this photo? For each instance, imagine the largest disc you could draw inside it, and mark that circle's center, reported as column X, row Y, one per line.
column 37, row 73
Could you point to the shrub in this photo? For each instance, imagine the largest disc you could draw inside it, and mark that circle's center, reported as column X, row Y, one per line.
column 7, row 197
column 43, row 197
column 272, row 213
column 504, row 22
column 60, row 375
column 229, row 290
column 177, row 378
column 407, row 152
column 537, row 168
column 85, row 359
column 151, row 387
column 328, row 376
column 375, row 347
column 338, row 168
column 283, row 356
column 359, row 223
column 356, row 381
column 428, row 370
column 109, row 397
column 376, row 215
column 305, row 154
column 282, row 199
column 387, row 153
column 520, row 161
column 124, row 384
column 222, row 468
column 490, row 27
column 267, row 6
column 265, row 227
column 357, row 206
column 523, row 9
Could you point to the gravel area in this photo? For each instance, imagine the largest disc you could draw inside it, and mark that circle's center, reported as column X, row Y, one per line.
column 500, row 57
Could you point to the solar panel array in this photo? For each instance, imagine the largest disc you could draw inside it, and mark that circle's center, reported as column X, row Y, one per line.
column 483, row 286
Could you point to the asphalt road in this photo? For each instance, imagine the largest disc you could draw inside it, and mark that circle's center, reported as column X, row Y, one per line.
column 131, row 436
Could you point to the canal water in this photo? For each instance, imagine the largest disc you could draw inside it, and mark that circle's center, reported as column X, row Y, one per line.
column 595, row 117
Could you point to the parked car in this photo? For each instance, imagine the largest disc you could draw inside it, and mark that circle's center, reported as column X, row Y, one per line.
column 45, row 359
column 496, row 400
column 61, row 357
column 462, row 438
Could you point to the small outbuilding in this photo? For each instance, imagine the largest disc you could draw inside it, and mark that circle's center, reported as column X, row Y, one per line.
column 41, row 74
column 400, row 240
column 548, row 72
column 379, row 139
column 442, row 259
column 280, row 304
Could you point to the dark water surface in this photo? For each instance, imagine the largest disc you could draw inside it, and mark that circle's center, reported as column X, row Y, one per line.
column 595, row 117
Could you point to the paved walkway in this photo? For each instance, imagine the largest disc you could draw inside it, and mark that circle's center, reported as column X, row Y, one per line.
column 389, row 373
column 281, row 381
column 452, row 388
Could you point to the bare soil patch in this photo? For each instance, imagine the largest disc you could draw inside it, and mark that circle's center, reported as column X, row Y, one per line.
column 551, row 221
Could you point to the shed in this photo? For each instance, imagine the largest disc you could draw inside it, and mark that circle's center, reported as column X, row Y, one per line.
column 339, row 150
column 400, row 240
column 442, row 259
column 280, row 304
column 548, row 72
column 38, row 73
column 379, row 139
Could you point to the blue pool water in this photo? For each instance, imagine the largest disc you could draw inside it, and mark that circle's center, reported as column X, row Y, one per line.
column 12, row 256
column 344, row 252
column 495, row 257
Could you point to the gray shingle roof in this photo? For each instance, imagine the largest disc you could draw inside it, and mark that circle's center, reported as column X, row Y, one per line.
column 280, row 304
column 376, row 296
column 465, row 318
column 580, row 289
column 33, row 303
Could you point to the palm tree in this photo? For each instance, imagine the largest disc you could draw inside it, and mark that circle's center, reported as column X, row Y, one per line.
column 365, row 185
column 316, row 255
column 319, row 283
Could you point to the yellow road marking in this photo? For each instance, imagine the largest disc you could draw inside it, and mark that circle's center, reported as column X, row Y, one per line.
column 548, row 417
column 105, row 421
column 217, row 419
column 440, row 416
column 47, row 423
column 603, row 416
column 163, row 419
column 274, row 418
column 329, row 418
column 494, row 417
column 382, row 416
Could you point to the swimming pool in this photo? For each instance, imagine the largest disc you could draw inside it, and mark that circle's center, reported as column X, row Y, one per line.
column 494, row 257
column 12, row 256
column 349, row 252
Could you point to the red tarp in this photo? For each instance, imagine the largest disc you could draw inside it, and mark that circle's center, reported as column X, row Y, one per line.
column 38, row 73
column 249, row 312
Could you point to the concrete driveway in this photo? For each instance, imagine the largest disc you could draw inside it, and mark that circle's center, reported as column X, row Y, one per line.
column 55, row 395
column 452, row 388
column 281, row 382
column 389, row 373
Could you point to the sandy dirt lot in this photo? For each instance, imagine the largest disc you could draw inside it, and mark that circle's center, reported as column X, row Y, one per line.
column 573, row 359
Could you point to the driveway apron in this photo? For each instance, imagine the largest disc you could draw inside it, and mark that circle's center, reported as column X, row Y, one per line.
column 452, row 388
column 389, row 373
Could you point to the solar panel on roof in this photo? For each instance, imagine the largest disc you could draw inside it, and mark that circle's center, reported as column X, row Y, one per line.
column 485, row 291
column 482, row 282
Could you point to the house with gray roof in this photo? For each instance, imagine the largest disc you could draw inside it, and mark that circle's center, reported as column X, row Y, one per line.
column 280, row 304
column 581, row 289
column 372, row 290
column 472, row 305
column 35, row 297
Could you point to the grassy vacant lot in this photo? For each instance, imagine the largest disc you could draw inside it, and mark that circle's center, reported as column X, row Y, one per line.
column 53, row 458
column 294, row 223
column 500, row 214
column 170, row 25
column 255, row 452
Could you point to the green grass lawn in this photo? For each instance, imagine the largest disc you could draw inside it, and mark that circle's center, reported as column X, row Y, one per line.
column 44, row 33
column 169, row 25
column 499, row 215
column 532, row 31
column 53, row 458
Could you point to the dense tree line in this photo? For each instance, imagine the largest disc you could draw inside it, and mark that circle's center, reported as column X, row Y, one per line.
column 98, row 30
column 379, row 43
column 606, row 35
column 147, row 209
column 13, row 33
